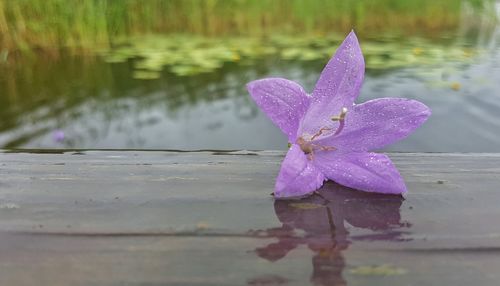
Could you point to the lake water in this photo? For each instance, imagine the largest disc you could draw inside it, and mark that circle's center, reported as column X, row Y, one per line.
column 96, row 103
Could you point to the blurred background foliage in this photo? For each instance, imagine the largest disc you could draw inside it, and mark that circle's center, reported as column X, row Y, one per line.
column 30, row 25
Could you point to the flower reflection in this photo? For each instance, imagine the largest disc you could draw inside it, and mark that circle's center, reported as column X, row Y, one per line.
column 320, row 221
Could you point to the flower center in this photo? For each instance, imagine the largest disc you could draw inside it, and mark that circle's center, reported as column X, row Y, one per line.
column 308, row 147
column 305, row 146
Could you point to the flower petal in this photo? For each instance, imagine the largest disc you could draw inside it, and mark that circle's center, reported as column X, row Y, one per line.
column 369, row 172
column 377, row 123
column 337, row 87
column 282, row 100
column 298, row 176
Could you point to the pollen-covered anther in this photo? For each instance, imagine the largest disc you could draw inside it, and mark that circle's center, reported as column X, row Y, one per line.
column 341, row 119
column 341, row 116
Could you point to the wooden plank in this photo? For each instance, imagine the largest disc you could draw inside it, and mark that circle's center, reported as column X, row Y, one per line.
column 206, row 218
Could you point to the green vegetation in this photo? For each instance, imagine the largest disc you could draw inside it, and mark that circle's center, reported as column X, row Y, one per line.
column 190, row 55
column 48, row 25
column 189, row 37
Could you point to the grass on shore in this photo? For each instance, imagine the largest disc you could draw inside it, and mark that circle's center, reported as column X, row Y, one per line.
column 27, row 25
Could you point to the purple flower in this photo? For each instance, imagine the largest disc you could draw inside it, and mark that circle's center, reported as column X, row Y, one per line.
column 58, row 135
column 331, row 136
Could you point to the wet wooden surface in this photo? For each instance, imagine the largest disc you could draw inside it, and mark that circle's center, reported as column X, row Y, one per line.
column 206, row 218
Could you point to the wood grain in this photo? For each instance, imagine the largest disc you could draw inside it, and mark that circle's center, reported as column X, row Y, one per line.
column 206, row 218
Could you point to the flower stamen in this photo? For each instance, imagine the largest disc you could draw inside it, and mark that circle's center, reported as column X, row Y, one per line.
column 320, row 132
column 308, row 148
column 305, row 146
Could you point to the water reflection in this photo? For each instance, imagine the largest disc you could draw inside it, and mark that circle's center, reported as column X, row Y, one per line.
column 319, row 222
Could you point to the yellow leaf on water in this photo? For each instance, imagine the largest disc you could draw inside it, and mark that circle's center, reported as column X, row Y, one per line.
column 202, row 225
column 456, row 86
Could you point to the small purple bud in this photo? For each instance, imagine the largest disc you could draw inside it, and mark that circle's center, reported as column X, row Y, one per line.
column 58, row 136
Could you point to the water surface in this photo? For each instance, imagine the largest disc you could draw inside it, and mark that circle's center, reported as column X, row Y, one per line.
column 101, row 104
